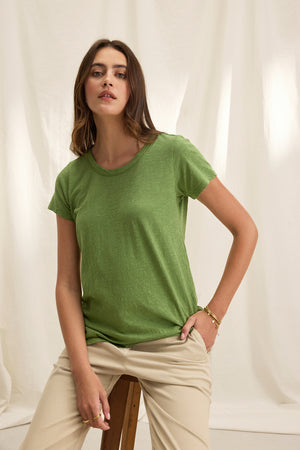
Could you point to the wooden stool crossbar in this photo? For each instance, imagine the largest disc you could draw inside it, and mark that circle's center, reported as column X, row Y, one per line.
column 124, row 401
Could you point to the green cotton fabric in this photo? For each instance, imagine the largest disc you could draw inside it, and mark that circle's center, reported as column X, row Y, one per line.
column 130, row 223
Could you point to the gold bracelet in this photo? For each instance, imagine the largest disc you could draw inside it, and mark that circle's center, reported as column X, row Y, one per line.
column 215, row 319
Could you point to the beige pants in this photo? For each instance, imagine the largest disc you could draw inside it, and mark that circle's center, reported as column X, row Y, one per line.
column 175, row 379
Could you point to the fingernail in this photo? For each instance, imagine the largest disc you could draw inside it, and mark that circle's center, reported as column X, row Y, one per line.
column 182, row 336
column 108, row 416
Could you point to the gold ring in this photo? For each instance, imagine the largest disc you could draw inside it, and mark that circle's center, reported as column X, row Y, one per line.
column 96, row 417
column 85, row 421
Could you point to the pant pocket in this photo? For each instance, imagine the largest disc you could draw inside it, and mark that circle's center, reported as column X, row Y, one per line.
column 195, row 334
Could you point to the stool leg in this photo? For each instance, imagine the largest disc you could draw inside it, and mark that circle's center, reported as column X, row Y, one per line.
column 131, row 416
column 117, row 401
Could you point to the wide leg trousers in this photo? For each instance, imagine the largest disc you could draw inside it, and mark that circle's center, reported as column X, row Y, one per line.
column 175, row 378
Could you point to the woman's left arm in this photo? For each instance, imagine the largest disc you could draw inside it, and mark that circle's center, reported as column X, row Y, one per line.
column 217, row 198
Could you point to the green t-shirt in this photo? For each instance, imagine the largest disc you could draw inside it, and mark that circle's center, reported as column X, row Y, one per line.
column 130, row 225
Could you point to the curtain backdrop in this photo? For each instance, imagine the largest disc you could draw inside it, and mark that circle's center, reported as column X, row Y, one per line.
column 223, row 73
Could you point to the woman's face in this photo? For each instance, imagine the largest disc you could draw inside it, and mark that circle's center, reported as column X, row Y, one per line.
column 107, row 72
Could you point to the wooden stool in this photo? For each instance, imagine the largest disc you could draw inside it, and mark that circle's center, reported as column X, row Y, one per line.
column 124, row 401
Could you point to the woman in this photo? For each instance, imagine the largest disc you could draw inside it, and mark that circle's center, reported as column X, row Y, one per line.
column 121, row 212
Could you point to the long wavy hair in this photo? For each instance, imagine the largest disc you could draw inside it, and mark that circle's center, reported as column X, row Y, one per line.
column 137, row 118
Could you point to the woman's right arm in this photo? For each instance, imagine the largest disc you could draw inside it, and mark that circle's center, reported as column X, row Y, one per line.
column 89, row 389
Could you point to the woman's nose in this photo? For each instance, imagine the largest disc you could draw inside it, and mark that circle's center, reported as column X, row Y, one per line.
column 107, row 80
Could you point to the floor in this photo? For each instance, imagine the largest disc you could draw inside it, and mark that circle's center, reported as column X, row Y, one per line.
column 10, row 439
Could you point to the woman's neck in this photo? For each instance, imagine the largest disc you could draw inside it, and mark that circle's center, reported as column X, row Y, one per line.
column 112, row 141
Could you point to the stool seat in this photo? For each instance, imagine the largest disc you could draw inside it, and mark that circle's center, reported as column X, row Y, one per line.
column 124, row 401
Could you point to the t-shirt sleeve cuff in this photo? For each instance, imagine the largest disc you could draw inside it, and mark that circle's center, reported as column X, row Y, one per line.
column 197, row 191
column 61, row 213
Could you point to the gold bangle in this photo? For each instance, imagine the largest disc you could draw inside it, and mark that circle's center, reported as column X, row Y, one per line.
column 208, row 311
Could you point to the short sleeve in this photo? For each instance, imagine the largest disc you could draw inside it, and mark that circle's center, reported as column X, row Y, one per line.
column 191, row 170
column 59, row 202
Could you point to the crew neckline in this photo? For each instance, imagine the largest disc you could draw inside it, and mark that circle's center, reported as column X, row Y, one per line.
column 117, row 170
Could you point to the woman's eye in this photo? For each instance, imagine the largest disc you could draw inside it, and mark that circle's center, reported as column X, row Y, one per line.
column 95, row 74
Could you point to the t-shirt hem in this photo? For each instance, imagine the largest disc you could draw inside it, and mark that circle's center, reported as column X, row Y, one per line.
column 95, row 340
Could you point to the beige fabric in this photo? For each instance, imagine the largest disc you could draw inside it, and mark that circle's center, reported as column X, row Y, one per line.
column 175, row 379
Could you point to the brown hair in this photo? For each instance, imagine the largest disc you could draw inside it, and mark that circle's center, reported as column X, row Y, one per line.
column 137, row 118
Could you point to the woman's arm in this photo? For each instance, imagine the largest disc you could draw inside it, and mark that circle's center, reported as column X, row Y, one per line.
column 68, row 295
column 233, row 215
column 68, row 301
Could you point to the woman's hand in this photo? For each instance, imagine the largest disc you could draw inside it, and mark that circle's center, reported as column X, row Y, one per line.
column 203, row 324
column 91, row 399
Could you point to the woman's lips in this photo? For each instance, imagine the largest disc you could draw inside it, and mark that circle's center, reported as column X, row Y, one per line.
column 107, row 99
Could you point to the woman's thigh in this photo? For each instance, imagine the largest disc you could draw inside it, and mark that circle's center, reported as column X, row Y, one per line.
column 175, row 378
column 56, row 423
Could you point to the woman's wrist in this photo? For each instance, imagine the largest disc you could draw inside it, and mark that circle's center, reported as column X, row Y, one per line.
column 80, row 372
column 215, row 320
column 218, row 306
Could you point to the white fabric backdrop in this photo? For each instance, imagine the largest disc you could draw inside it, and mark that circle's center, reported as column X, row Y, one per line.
column 225, row 74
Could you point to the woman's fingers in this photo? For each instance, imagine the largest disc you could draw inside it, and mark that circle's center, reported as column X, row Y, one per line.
column 95, row 418
column 97, row 421
column 105, row 405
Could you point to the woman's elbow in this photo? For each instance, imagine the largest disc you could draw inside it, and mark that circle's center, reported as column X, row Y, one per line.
column 248, row 229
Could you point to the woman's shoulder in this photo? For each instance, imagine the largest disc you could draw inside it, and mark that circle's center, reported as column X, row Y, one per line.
column 172, row 139
column 176, row 142
column 73, row 167
column 170, row 136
